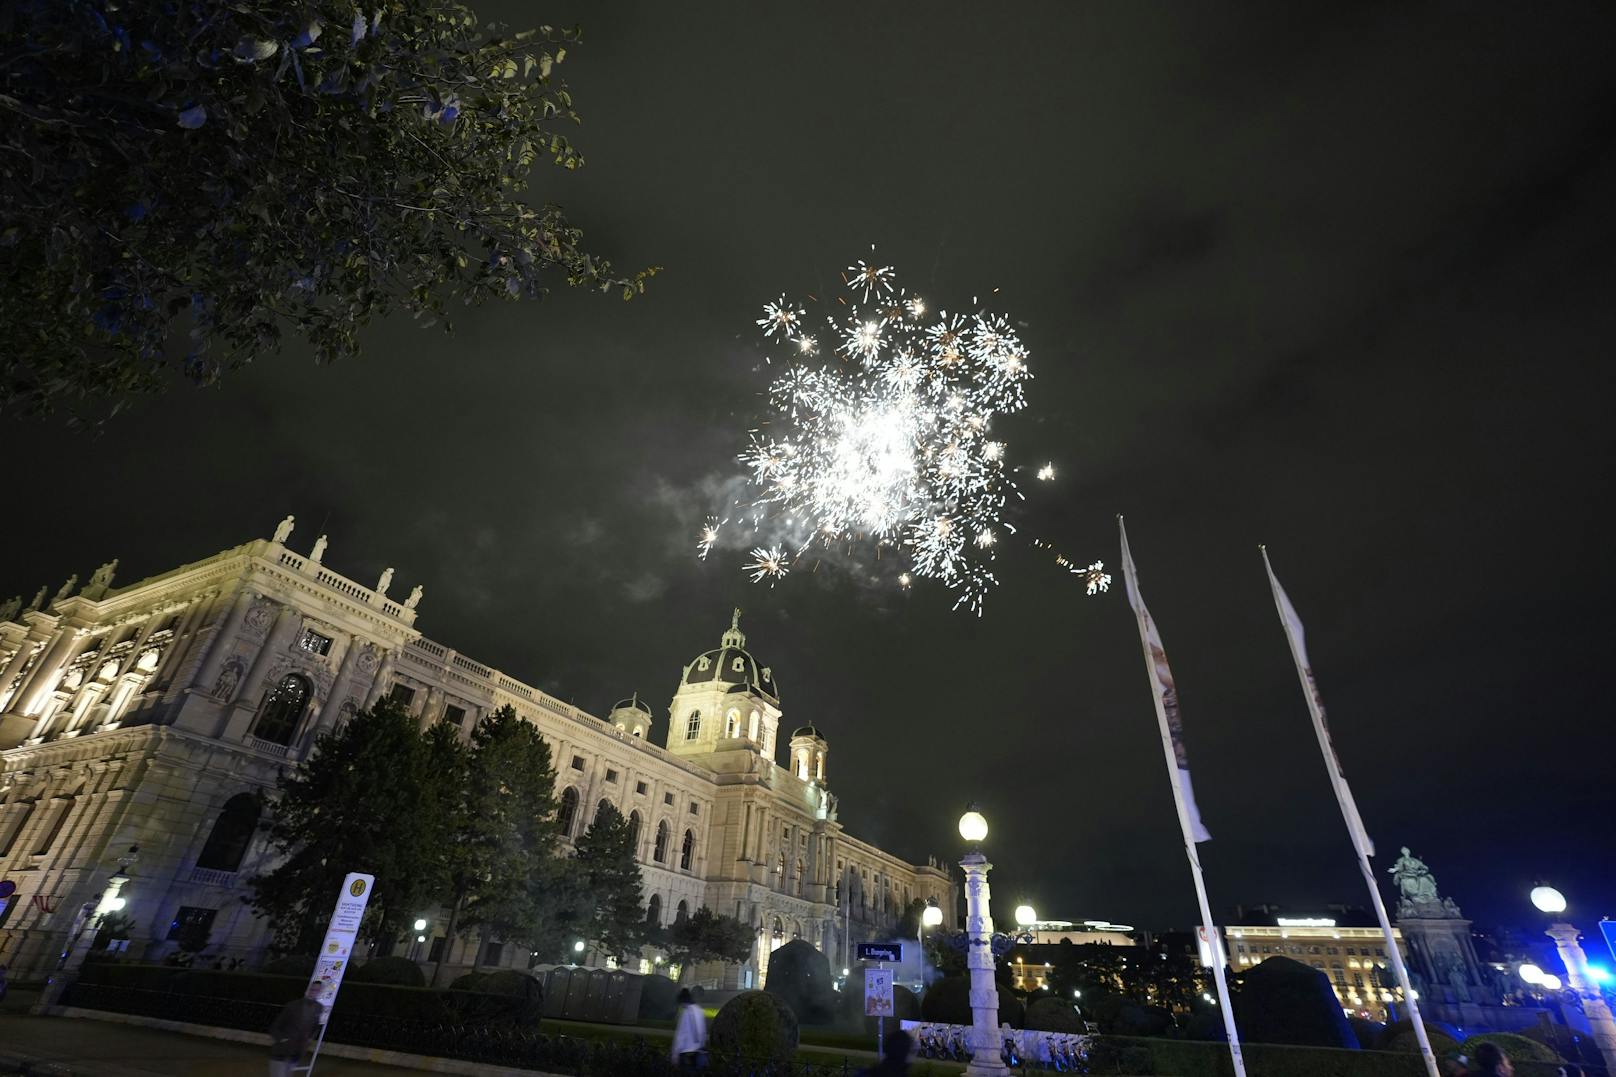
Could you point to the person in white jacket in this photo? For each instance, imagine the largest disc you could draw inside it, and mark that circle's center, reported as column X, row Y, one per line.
column 689, row 1033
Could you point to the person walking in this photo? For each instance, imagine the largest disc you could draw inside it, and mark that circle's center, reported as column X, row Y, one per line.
column 1491, row 1061
column 293, row 1027
column 689, row 1034
column 895, row 1054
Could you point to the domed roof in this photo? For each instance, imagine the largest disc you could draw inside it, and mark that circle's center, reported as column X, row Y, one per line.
column 807, row 731
column 731, row 664
column 631, row 704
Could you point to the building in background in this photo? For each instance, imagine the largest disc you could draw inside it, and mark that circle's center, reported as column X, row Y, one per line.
column 158, row 715
column 1345, row 944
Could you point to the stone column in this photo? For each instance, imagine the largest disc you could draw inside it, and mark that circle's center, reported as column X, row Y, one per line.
column 987, row 1044
column 219, row 642
column 19, row 658
column 1594, row 1007
column 383, row 675
column 43, row 681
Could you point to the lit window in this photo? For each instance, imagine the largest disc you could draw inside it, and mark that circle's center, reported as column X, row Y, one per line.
column 314, row 642
column 693, row 725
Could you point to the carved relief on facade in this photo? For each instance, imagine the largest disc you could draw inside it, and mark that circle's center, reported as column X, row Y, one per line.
column 368, row 659
column 224, row 689
column 259, row 616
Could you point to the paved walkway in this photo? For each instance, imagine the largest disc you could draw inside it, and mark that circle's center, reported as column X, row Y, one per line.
column 89, row 1048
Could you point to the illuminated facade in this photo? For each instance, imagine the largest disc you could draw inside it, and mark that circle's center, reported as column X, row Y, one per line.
column 1354, row 958
column 158, row 715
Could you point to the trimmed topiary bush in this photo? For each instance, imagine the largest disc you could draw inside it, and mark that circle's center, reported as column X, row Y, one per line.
column 1053, row 1015
column 1285, row 1001
column 949, row 1000
column 1369, row 1032
column 1518, row 1048
column 1399, row 1036
column 755, row 1025
column 471, row 981
column 398, row 971
column 799, row 975
column 659, row 998
column 290, row 965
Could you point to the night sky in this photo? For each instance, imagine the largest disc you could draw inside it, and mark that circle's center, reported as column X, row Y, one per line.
column 1340, row 283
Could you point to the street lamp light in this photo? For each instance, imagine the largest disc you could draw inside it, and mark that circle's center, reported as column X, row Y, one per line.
column 1548, row 899
column 1530, row 973
column 973, row 827
column 932, row 916
column 1026, row 917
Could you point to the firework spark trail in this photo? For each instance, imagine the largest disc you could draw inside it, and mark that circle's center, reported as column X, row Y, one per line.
column 887, row 439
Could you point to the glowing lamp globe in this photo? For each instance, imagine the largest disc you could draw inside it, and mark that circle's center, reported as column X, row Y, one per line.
column 578, row 947
column 1531, row 973
column 973, row 827
column 932, row 916
column 420, row 925
column 1551, row 981
column 1548, row 899
column 115, row 904
column 1025, row 916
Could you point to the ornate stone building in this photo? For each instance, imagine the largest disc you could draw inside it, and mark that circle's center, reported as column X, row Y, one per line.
column 158, row 715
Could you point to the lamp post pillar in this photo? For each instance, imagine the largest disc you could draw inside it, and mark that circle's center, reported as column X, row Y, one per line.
column 986, row 1043
column 1594, row 1007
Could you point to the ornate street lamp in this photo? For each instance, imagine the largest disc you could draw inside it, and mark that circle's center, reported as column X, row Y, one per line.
column 85, row 927
column 987, row 1045
column 1581, row 979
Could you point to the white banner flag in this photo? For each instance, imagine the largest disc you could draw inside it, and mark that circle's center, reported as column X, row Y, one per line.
column 1315, row 705
column 1166, row 696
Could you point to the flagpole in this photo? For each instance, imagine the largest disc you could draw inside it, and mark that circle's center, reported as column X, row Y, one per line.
column 1349, row 807
column 1214, row 941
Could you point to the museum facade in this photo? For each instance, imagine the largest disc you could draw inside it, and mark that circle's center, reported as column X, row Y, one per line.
column 142, row 729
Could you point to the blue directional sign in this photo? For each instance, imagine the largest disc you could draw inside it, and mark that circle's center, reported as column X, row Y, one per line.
column 880, row 951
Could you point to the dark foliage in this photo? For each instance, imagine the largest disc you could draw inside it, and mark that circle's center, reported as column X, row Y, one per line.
column 1285, row 1001
column 949, row 999
column 250, row 168
column 756, row 1025
column 799, row 975
column 398, row 971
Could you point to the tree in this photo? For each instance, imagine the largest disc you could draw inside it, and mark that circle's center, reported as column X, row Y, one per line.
column 363, row 801
column 254, row 167
column 501, row 862
column 611, row 874
column 910, row 921
column 707, row 936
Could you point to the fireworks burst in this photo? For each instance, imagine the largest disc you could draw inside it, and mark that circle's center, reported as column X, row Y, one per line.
column 886, row 440
column 768, row 562
column 1094, row 576
column 708, row 536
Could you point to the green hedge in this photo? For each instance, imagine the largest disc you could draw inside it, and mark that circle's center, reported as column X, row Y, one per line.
column 416, row 1004
column 1192, row 1058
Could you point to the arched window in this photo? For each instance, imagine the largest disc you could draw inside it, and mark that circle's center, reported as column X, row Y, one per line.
column 603, row 811
column 693, row 725
column 232, row 833
column 682, row 912
column 777, row 937
column 283, row 709
column 732, row 722
column 659, row 852
column 754, row 726
column 802, row 764
column 653, row 911
column 799, row 876
column 634, row 832
column 687, row 852
column 568, row 812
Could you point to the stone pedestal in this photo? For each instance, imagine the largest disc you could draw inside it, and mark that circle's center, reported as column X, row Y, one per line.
column 987, row 1044
column 1600, row 1023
